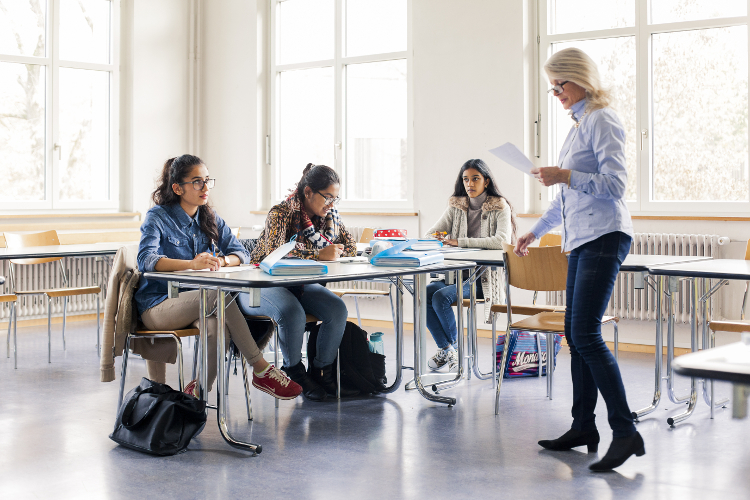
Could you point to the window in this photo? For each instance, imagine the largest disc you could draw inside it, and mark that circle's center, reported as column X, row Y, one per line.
column 339, row 97
column 58, row 104
column 678, row 72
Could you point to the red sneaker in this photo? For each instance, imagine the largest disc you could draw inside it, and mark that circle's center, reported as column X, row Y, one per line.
column 192, row 389
column 278, row 385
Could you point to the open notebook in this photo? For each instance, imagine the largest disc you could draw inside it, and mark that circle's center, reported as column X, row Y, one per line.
column 275, row 265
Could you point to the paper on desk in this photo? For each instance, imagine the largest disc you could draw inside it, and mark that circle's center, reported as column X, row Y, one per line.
column 514, row 157
column 232, row 269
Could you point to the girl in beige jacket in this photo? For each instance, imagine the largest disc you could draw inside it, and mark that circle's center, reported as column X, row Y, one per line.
column 478, row 216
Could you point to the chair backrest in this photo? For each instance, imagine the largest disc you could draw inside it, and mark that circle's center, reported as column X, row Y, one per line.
column 25, row 240
column 543, row 269
column 551, row 240
column 747, row 251
column 367, row 235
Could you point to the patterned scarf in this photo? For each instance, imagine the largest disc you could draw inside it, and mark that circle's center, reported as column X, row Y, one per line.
column 313, row 230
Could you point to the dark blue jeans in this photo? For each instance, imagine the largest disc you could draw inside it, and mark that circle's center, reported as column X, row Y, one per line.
column 440, row 318
column 592, row 270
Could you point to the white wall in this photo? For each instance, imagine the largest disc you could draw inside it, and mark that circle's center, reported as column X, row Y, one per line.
column 232, row 104
column 155, row 94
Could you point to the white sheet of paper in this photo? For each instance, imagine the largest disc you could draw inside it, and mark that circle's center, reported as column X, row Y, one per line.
column 514, row 157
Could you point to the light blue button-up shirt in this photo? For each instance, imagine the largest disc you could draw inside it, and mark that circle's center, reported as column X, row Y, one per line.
column 594, row 204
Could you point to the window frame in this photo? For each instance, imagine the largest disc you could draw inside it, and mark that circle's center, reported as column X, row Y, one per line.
column 642, row 31
column 52, row 63
column 339, row 64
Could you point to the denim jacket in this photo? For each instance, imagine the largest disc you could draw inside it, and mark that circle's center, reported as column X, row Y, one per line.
column 167, row 231
column 593, row 205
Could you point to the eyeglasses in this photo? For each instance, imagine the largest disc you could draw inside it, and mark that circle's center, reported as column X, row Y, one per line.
column 199, row 183
column 329, row 200
column 558, row 89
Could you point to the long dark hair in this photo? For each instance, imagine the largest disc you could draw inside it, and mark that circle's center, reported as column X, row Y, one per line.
column 176, row 170
column 317, row 177
column 491, row 189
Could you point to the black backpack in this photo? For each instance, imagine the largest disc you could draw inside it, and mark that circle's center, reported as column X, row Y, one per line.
column 360, row 368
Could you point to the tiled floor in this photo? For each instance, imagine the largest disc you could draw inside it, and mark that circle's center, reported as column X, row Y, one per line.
column 55, row 419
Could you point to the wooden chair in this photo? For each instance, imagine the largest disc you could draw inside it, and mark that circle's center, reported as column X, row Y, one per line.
column 12, row 321
column 543, row 269
column 48, row 238
column 551, row 240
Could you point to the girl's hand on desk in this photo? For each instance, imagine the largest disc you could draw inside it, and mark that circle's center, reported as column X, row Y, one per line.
column 205, row 261
column 549, row 176
column 450, row 243
column 331, row 252
column 523, row 243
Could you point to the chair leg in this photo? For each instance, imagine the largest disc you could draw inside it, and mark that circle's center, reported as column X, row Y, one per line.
column 98, row 328
column 124, row 370
column 247, row 389
column 65, row 310
column 15, row 336
column 49, row 329
column 356, row 306
column 338, row 374
column 276, row 355
column 550, row 362
column 228, row 363
column 500, row 375
column 617, row 350
column 196, row 350
column 539, row 353
column 10, row 319
column 494, row 350
column 180, row 376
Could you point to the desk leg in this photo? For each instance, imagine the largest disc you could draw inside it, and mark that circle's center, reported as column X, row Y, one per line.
column 420, row 317
column 708, row 341
column 475, row 334
column 671, row 290
column 221, row 404
column 446, row 384
column 399, row 330
column 739, row 400
column 204, row 343
column 658, row 347
column 693, row 398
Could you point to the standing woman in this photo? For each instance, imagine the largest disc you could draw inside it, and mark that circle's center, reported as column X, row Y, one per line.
column 479, row 216
column 597, row 231
column 182, row 232
column 309, row 213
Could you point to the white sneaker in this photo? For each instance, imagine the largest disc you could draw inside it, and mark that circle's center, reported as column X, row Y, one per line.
column 443, row 357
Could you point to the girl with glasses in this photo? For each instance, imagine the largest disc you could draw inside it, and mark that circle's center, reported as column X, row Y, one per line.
column 182, row 232
column 309, row 212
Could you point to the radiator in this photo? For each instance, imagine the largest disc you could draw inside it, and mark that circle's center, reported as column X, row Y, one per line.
column 81, row 272
column 629, row 303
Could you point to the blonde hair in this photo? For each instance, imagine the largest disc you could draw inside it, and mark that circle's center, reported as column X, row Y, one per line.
column 574, row 65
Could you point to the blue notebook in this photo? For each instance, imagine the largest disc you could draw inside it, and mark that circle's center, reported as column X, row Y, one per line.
column 397, row 257
column 275, row 265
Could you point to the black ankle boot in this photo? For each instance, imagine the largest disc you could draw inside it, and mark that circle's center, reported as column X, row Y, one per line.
column 325, row 377
column 571, row 439
column 620, row 450
column 310, row 389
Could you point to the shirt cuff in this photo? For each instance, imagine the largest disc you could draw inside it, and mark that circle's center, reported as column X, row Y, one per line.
column 578, row 180
column 242, row 256
column 149, row 265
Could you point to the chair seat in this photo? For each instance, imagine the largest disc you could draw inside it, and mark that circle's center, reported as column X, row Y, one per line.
column 61, row 292
column 550, row 322
column 467, row 302
column 526, row 310
column 187, row 332
column 356, row 291
column 729, row 326
column 8, row 298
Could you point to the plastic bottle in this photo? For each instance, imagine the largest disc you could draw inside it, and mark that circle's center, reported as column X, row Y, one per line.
column 376, row 343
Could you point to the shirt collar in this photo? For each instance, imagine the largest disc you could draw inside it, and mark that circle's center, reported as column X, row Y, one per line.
column 182, row 218
column 577, row 110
